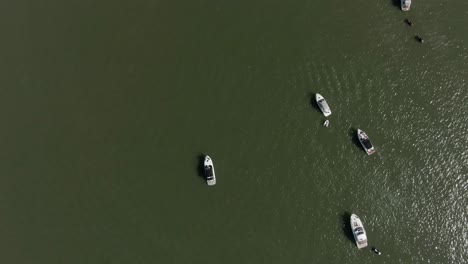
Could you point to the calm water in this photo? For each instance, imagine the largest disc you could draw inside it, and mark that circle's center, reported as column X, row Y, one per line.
column 107, row 107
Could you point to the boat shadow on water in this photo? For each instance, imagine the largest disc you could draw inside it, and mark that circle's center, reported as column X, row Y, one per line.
column 313, row 102
column 200, row 166
column 396, row 3
column 346, row 226
column 353, row 135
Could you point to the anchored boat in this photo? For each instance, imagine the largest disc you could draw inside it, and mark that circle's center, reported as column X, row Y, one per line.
column 358, row 231
column 323, row 105
column 209, row 171
column 365, row 142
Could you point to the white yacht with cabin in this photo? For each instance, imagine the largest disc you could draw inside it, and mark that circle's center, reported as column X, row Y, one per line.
column 358, row 231
column 209, row 171
column 323, row 105
column 365, row 142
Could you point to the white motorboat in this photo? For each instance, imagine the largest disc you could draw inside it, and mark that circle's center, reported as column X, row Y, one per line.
column 358, row 231
column 365, row 142
column 405, row 5
column 326, row 123
column 323, row 105
column 209, row 171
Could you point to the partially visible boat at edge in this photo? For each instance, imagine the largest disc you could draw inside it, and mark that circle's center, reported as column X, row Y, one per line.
column 209, row 171
column 365, row 142
column 358, row 231
column 323, row 105
column 405, row 5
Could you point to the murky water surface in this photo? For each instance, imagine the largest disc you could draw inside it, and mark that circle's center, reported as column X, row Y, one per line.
column 107, row 107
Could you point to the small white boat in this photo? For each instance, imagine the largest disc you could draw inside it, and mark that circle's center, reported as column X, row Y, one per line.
column 323, row 105
column 326, row 123
column 209, row 171
column 365, row 142
column 358, row 231
column 405, row 5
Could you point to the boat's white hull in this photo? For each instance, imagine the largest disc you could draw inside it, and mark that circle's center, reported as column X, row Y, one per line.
column 209, row 171
column 359, row 232
column 323, row 105
column 362, row 136
column 405, row 5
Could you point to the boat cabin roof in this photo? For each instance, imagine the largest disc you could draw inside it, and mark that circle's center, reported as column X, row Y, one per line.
column 209, row 170
column 367, row 143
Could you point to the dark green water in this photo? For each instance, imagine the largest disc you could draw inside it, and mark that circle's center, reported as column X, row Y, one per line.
column 107, row 107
